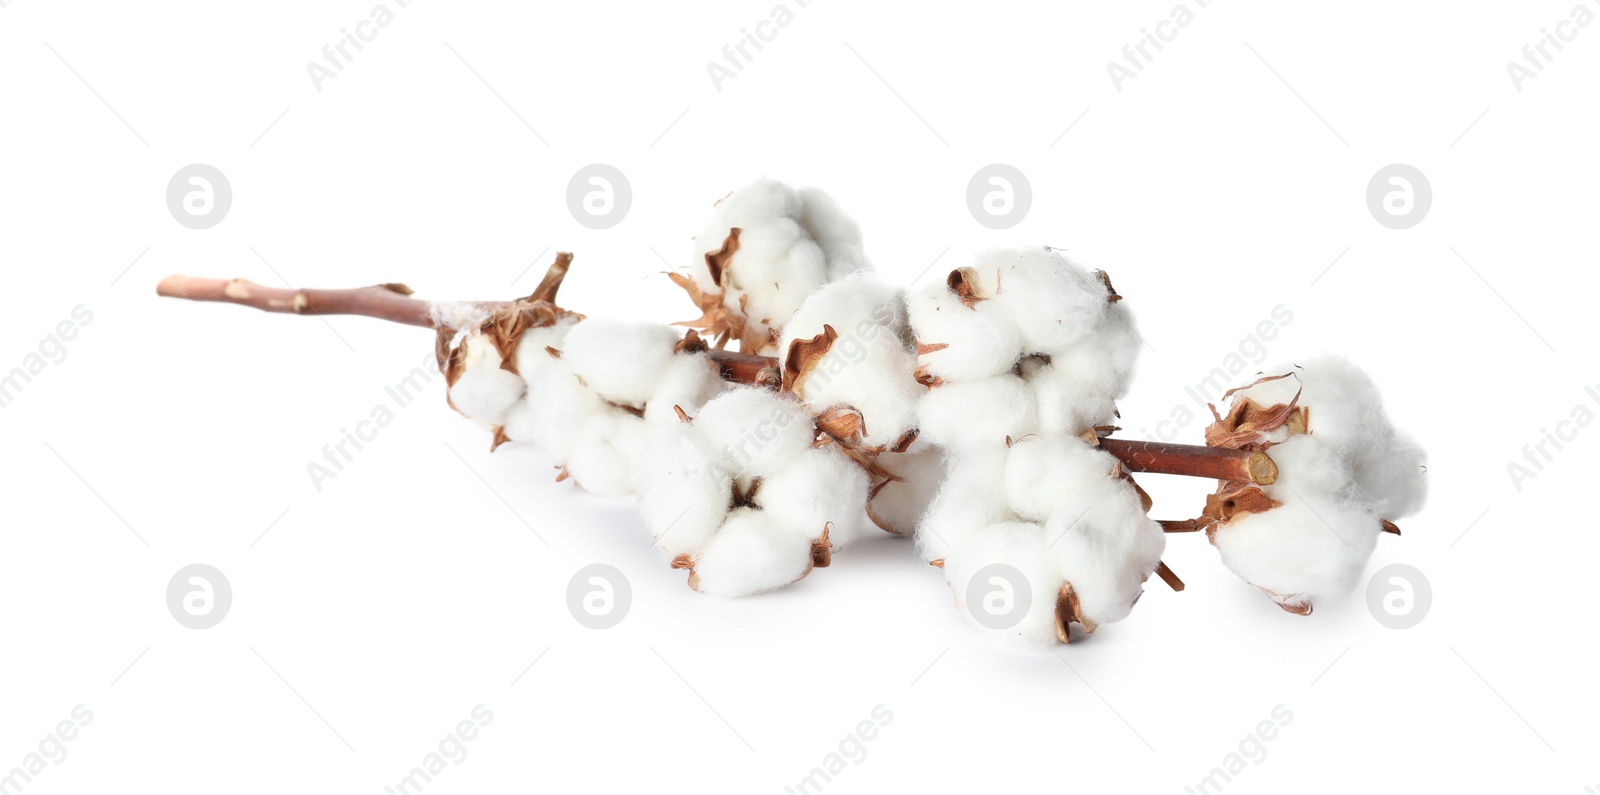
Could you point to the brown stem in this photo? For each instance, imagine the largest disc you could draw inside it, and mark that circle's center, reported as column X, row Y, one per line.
column 1196, row 461
column 1180, row 525
column 389, row 302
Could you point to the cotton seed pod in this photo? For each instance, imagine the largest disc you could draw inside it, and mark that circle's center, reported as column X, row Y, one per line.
column 766, row 247
column 848, row 345
column 1344, row 474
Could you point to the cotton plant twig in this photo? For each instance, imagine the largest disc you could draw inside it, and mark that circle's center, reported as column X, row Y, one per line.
column 393, row 303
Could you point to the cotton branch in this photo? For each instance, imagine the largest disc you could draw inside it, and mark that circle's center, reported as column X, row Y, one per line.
column 393, row 303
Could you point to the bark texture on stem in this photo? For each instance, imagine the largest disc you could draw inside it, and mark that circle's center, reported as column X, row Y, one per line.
column 1197, row 461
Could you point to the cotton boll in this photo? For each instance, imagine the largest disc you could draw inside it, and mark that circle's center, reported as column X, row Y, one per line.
column 688, row 382
column 1106, row 550
column 984, row 412
column 554, row 410
column 978, row 341
column 684, row 493
column 485, row 394
column 1345, row 413
column 1313, row 546
column 754, row 430
column 1021, row 597
column 605, row 452
column 819, row 488
column 869, row 365
column 900, row 504
column 1054, row 302
column 1046, row 476
column 1303, row 552
column 751, row 554
column 971, row 498
column 621, row 360
column 837, row 234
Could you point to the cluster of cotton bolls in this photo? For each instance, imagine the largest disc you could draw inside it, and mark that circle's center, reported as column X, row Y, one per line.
column 586, row 391
column 1344, row 474
column 970, row 412
column 1026, row 353
column 767, row 247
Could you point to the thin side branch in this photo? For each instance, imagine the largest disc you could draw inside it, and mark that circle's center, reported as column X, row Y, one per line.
column 391, row 302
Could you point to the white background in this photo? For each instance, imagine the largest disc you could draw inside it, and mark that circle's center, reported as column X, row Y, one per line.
column 372, row 616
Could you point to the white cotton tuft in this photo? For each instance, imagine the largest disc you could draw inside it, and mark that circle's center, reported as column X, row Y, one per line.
column 621, row 360
column 837, row 234
column 606, row 452
column 957, row 342
column 685, row 492
column 1313, row 546
column 984, row 412
column 688, row 382
column 972, row 497
column 789, row 244
column 751, row 554
column 869, row 366
column 485, row 395
column 1345, row 412
column 1054, row 302
column 1017, row 602
column 819, row 488
column 533, row 350
column 754, row 430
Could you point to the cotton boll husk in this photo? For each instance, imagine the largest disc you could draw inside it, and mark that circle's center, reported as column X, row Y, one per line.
column 899, row 505
column 1020, row 545
column 606, row 452
column 980, row 341
column 819, row 488
column 971, row 498
column 688, row 382
column 977, row 413
column 869, row 366
column 751, row 554
column 1046, row 476
column 621, row 360
column 1313, row 546
column 837, row 233
column 1106, row 549
column 1054, row 302
column 684, row 492
column 754, row 430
